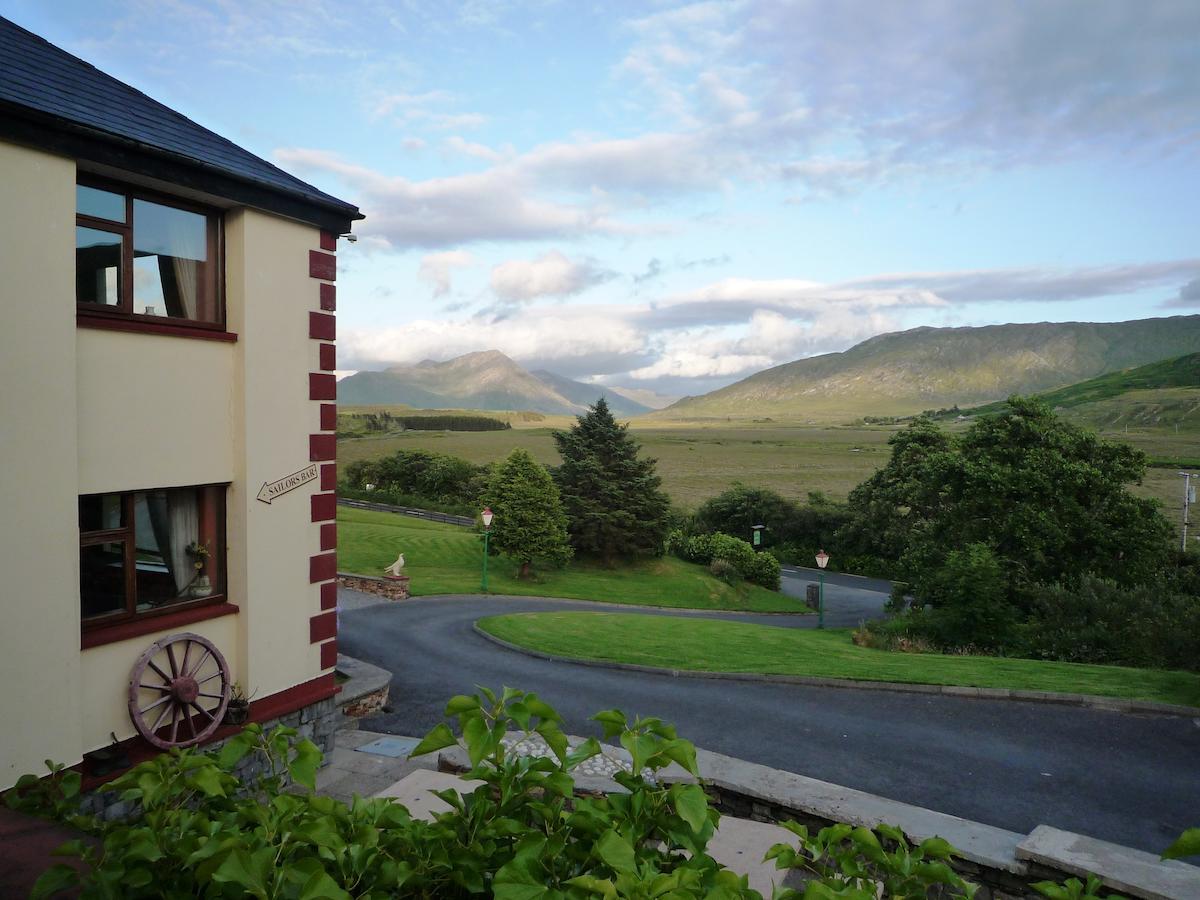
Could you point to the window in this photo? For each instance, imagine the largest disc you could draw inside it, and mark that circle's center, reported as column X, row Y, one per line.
column 144, row 551
column 146, row 258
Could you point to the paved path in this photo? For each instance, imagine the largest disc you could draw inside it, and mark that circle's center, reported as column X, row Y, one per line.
column 1130, row 779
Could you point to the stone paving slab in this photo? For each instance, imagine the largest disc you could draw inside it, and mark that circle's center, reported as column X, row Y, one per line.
column 1122, row 868
column 348, row 772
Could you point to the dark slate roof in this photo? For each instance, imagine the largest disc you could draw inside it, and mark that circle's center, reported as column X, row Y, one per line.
column 61, row 95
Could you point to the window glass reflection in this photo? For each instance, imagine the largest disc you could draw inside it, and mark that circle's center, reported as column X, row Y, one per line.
column 97, row 266
column 90, row 201
column 102, row 579
column 101, row 512
column 170, row 263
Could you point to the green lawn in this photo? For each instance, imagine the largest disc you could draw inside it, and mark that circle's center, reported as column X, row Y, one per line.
column 446, row 559
column 734, row 647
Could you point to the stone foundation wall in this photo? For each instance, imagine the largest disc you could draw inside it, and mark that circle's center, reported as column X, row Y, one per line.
column 390, row 588
column 318, row 722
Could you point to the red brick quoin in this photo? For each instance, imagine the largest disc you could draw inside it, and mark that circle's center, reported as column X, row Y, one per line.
column 322, row 386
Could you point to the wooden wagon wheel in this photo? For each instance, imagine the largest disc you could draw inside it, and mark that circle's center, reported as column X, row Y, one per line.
column 178, row 691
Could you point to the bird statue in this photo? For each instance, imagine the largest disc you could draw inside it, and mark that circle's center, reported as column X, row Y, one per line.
column 394, row 568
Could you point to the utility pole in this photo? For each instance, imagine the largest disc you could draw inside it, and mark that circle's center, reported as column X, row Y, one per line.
column 1189, row 497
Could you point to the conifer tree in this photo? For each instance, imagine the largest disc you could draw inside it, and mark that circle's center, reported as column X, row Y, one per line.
column 529, row 522
column 614, row 501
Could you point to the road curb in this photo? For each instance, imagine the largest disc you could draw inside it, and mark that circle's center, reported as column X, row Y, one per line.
column 1107, row 704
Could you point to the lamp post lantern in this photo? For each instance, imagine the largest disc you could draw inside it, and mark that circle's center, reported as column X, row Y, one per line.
column 486, row 515
column 822, row 562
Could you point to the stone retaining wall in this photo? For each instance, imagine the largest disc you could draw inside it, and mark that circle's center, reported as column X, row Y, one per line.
column 389, row 588
column 318, row 722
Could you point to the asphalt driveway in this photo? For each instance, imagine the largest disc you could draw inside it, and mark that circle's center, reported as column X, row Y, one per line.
column 1133, row 779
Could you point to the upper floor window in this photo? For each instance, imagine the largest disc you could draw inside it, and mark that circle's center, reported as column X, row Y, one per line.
column 144, row 257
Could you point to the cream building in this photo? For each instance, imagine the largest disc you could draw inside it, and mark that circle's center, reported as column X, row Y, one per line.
column 167, row 438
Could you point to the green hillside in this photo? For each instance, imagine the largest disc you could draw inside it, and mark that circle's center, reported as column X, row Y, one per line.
column 932, row 368
column 1141, row 385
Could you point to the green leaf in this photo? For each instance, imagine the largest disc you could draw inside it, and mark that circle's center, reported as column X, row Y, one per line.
column 513, row 891
column 242, row 869
column 541, row 709
column 640, row 747
column 208, row 781
column 937, row 848
column 613, row 720
column 616, row 852
column 692, row 805
column 461, row 704
column 1052, row 890
column 233, row 751
column 59, row 877
column 684, row 753
column 554, row 738
column 303, row 766
column 320, row 886
column 585, row 751
column 441, row 736
column 1188, row 844
column 478, row 738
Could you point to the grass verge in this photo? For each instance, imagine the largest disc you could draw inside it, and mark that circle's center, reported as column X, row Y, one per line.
column 447, row 559
column 707, row 645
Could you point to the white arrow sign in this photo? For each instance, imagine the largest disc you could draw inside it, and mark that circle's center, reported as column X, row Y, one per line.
column 272, row 489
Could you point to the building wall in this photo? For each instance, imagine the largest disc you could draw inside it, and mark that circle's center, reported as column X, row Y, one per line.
column 270, row 295
column 39, row 537
column 101, row 411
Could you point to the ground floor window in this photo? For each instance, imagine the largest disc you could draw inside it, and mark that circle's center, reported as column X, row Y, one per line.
column 144, row 551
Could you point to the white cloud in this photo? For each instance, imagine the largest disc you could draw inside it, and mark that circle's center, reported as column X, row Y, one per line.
column 440, row 212
column 438, row 269
column 550, row 275
column 724, row 330
column 457, row 144
column 1188, row 298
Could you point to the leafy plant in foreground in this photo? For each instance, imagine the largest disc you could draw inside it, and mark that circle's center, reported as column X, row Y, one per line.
column 522, row 834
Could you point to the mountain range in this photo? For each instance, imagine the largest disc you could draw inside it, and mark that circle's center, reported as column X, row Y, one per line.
column 484, row 380
column 895, row 374
column 906, row 372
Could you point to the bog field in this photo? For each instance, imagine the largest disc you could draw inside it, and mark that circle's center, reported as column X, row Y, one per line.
column 697, row 461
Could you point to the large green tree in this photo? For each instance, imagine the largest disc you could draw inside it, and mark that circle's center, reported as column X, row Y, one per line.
column 612, row 496
column 529, row 523
column 1050, row 500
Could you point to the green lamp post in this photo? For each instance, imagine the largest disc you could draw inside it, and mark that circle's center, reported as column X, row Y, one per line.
column 822, row 562
column 486, row 515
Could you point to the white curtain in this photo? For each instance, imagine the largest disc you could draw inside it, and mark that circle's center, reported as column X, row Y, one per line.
column 187, row 276
column 185, row 528
column 175, row 519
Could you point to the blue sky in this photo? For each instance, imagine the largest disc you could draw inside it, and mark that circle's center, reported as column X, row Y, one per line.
column 672, row 196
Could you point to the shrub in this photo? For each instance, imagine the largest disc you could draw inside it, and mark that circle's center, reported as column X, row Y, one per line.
column 724, row 570
column 765, row 571
column 969, row 600
column 1102, row 622
column 757, row 568
column 431, row 477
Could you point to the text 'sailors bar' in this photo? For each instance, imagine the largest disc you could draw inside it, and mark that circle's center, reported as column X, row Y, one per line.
column 272, row 489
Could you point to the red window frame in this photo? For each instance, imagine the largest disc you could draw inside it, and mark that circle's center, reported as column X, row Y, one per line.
column 212, row 521
column 124, row 315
